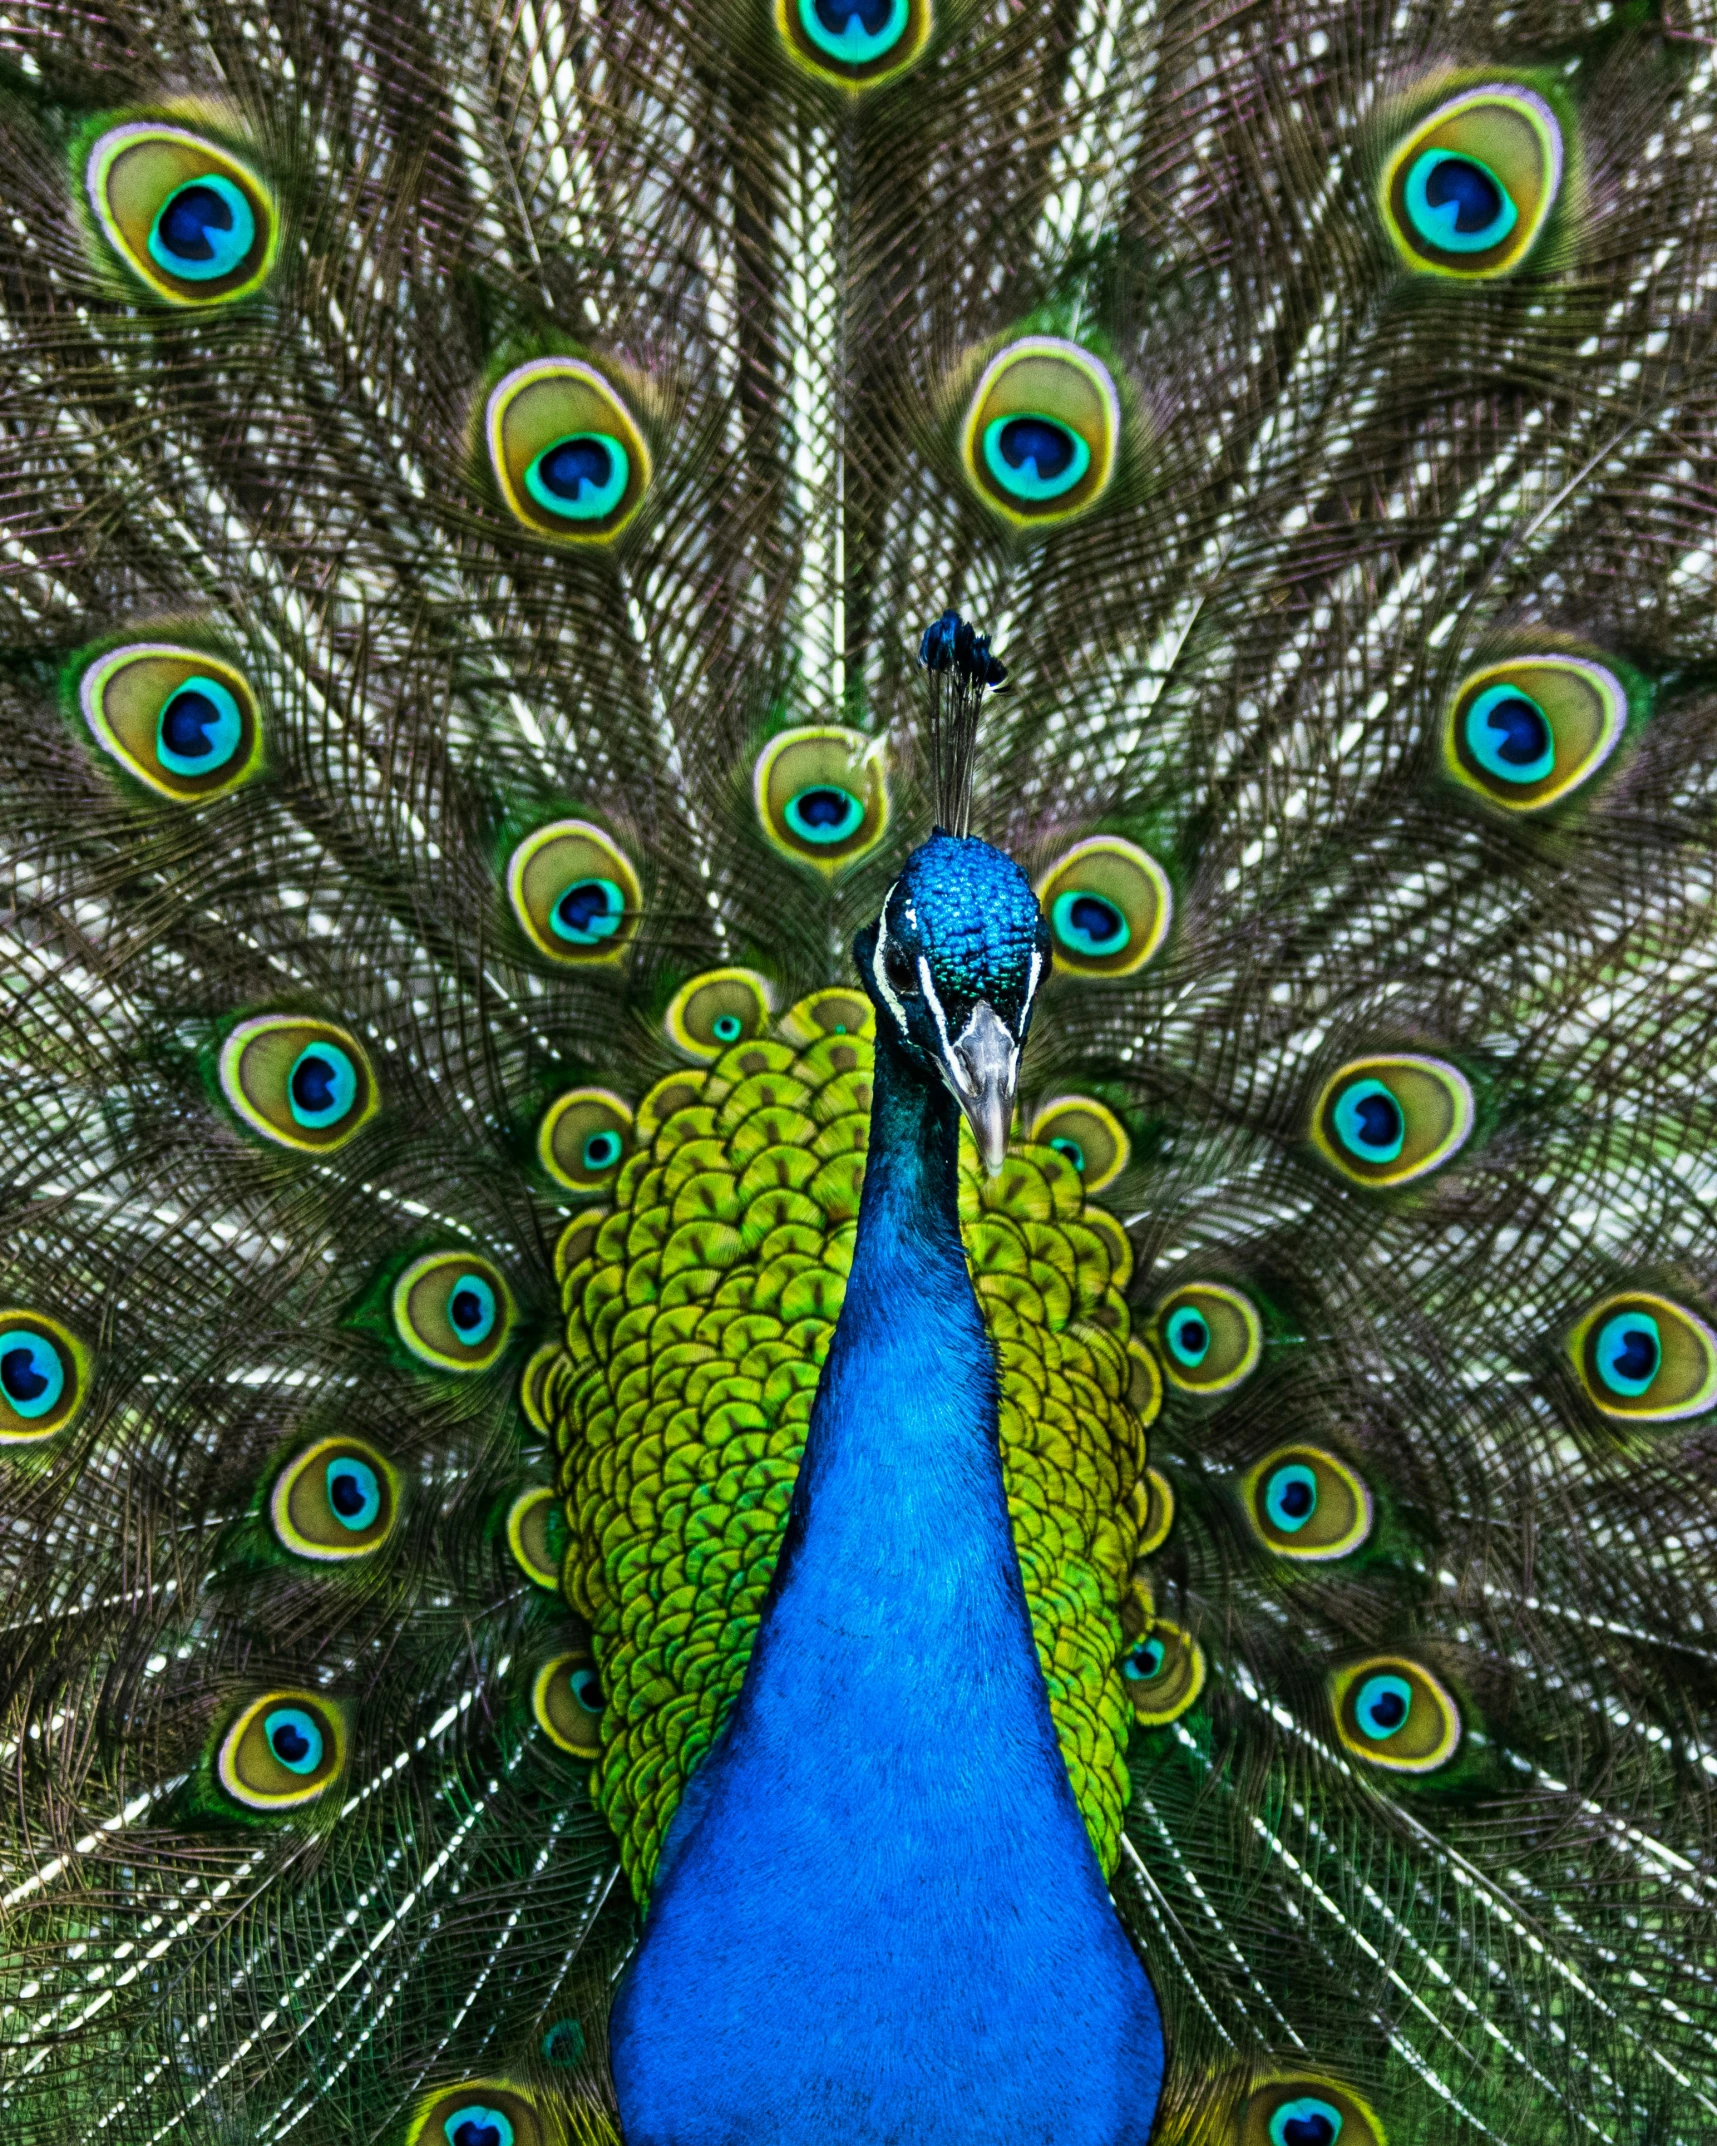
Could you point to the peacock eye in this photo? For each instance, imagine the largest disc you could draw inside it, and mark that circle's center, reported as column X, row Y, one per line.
column 336, row 1499
column 854, row 42
column 1153, row 1511
column 1385, row 1121
column 477, row 2123
column 1525, row 734
column 566, row 454
column 1393, row 1712
column 282, row 1751
column 1210, row 1337
column 300, row 1083
column 1644, row 1358
column 568, row 1701
column 1468, row 193
column 717, row 1010
column 1088, row 1134
column 821, row 795
column 44, row 1376
column 1307, row 2120
column 1163, row 1671
column 453, row 1310
column 534, row 1535
column 583, row 1139
column 897, row 967
column 574, row 893
column 1041, row 432
column 187, row 218
column 179, row 720
column 477, row 2112
column 1109, row 905
column 1144, row 1383
column 1306, row 2111
column 1303, row 1503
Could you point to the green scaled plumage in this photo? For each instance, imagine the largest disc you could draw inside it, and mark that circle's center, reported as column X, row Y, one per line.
column 1353, row 573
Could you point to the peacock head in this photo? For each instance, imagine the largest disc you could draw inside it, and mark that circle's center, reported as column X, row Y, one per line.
column 953, row 964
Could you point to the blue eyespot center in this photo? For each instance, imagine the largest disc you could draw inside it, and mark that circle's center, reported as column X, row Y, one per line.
column 590, row 911
column 477, row 2125
column 601, row 1151
column 200, row 728
column 1307, row 2121
column 1629, row 1352
column 824, row 813
column 31, row 1374
column 1189, row 1337
column 587, row 1690
column 1088, row 923
column 854, row 31
column 203, row 230
column 1370, row 1123
column 1031, row 456
column 322, row 1086
column 1383, row 1706
column 1291, row 1497
column 1509, row 735
column 354, row 1493
column 1143, row 1661
column 1457, row 203
column 1071, row 1149
column 580, row 478
column 294, row 1738
column 472, row 1309
column 727, row 1028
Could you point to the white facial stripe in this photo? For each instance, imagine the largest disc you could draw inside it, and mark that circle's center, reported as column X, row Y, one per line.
column 929, row 990
column 1031, row 986
column 879, row 969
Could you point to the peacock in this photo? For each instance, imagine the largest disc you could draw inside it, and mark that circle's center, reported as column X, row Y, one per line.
column 860, row 1265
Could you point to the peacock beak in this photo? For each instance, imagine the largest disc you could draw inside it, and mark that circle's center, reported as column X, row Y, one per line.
column 982, row 1066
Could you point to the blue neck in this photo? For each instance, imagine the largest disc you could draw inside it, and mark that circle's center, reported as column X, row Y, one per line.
column 879, row 1916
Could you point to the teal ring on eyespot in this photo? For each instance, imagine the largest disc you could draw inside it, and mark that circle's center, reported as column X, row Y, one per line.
column 1314, row 2121
column 587, row 1690
column 1498, row 747
column 322, row 1086
column 1383, row 1707
column 1291, row 1497
column 1089, row 924
column 601, row 1151
column 204, row 717
column 1142, row 1662
column 354, row 1493
column 1629, row 1352
column 853, row 44
column 294, row 1738
column 589, row 911
column 564, row 2043
column 1071, row 1149
column 824, row 813
column 1053, row 441
column 1188, row 1335
column 727, row 1028
column 189, row 218
column 32, row 1377
column 472, row 1309
column 1437, row 222
column 476, row 2124
column 580, row 477
column 1359, row 1120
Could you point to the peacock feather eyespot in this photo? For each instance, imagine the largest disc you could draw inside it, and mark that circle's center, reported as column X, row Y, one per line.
column 1391, row 1711
column 298, row 1082
column 1387, row 1120
column 335, row 1500
column 478, row 2112
column 822, row 795
column 453, row 1310
column 1526, row 733
column 1209, row 1337
column 44, row 1376
column 1304, row 1503
column 568, row 457
column 716, row 1010
column 1087, row 1133
column 839, row 1011
column 1306, row 2109
column 1153, row 1512
column 1042, row 432
column 574, row 893
column 536, row 1536
column 1163, row 1671
column 567, row 1699
column 854, row 43
column 181, row 721
column 189, row 219
column 1109, row 905
column 1644, row 1358
column 282, row 1751
column 583, row 1139
column 1144, row 1383
column 1468, row 192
